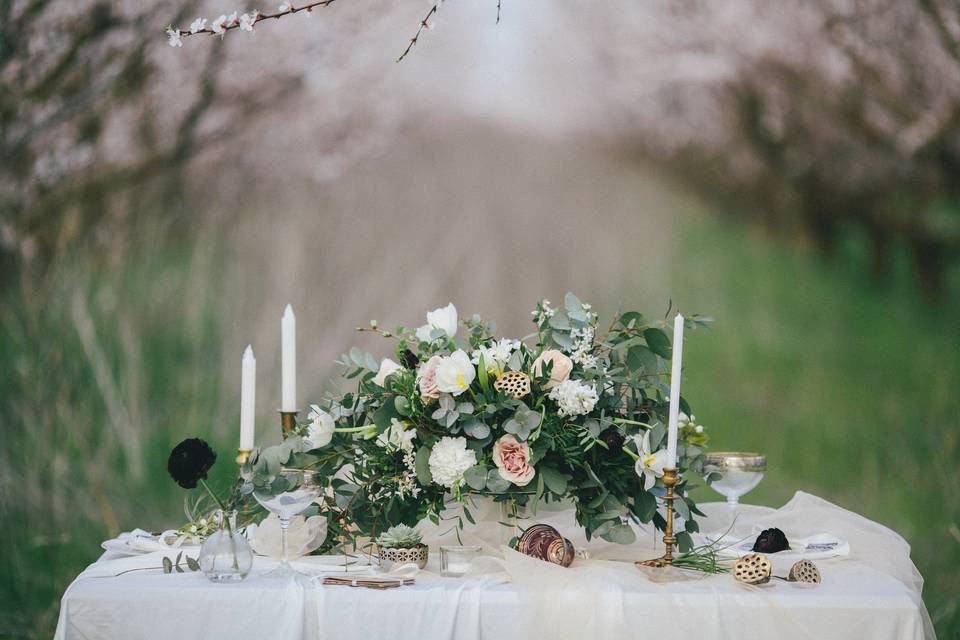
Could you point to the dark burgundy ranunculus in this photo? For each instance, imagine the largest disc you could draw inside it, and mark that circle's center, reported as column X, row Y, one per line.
column 190, row 461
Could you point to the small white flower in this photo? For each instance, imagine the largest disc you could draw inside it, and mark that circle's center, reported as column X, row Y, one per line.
column 219, row 26
column 198, row 25
column 173, row 37
column 248, row 20
column 193, row 528
column 285, row 7
column 650, row 465
column 233, row 19
column 397, row 437
column 455, row 373
column 495, row 356
column 449, row 459
column 320, row 431
column 574, row 398
column 387, row 367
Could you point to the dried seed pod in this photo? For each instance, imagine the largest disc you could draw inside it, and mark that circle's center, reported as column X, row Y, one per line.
column 544, row 542
column 513, row 383
column 753, row 568
column 804, row 571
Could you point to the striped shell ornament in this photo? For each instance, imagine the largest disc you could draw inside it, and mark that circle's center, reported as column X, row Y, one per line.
column 545, row 543
column 753, row 568
column 515, row 384
column 804, row 571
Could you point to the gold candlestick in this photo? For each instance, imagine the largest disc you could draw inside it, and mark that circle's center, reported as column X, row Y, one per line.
column 670, row 480
column 242, row 455
column 288, row 421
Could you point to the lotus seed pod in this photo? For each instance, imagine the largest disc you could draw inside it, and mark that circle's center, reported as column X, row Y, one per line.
column 804, row 571
column 515, row 384
column 753, row 568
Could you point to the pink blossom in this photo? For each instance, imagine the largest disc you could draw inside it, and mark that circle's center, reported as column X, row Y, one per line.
column 427, row 379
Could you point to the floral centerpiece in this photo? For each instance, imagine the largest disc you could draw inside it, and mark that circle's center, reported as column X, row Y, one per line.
column 568, row 413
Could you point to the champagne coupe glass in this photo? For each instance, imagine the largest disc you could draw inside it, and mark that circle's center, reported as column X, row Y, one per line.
column 739, row 473
column 286, row 504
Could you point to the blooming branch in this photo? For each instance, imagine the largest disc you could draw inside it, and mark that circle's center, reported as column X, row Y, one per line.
column 245, row 22
column 424, row 24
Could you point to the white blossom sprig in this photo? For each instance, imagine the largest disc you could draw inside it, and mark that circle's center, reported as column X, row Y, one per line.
column 245, row 22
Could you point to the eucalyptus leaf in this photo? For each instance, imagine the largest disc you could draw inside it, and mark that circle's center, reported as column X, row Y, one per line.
column 193, row 564
column 495, row 483
column 476, row 477
column 424, row 476
column 476, row 429
column 620, row 534
column 641, row 359
column 167, row 565
column 572, row 302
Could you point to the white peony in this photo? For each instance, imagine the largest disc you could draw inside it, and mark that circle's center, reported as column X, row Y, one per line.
column 397, row 437
column 574, row 398
column 444, row 319
column 387, row 367
column 455, row 373
column 320, row 431
column 449, row 460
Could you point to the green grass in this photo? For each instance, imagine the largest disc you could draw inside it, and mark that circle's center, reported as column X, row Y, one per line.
column 852, row 392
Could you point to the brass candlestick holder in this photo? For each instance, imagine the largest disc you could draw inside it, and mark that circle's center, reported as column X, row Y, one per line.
column 288, row 422
column 243, row 455
column 670, row 480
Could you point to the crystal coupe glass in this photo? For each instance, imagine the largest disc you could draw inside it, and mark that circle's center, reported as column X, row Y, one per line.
column 739, row 472
column 304, row 489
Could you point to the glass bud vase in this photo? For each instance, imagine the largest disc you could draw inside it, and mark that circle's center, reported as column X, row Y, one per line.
column 226, row 556
column 513, row 520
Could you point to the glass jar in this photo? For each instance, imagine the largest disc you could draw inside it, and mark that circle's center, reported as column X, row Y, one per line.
column 226, row 556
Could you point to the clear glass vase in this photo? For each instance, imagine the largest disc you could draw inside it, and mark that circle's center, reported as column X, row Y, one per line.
column 226, row 555
column 513, row 520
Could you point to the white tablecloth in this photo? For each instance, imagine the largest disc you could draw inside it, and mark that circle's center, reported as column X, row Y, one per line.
column 861, row 596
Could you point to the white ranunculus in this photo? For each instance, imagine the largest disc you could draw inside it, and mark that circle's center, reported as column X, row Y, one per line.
column 449, row 459
column 320, row 431
column 397, row 437
column 455, row 373
column 387, row 367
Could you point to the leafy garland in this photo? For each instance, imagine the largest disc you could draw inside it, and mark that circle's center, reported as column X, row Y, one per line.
column 598, row 441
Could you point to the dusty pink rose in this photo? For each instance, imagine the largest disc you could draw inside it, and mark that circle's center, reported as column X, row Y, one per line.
column 562, row 366
column 513, row 460
column 427, row 379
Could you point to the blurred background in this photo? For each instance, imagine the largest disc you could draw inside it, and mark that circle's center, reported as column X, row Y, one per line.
column 791, row 169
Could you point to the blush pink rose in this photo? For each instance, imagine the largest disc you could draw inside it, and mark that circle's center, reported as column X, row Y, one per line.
column 562, row 366
column 427, row 379
column 513, row 460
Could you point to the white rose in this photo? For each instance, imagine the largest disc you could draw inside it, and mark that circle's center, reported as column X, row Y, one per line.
column 387, row 367
column 455, row 373
column 449, row 459
column 444, row 319
column 320, row 431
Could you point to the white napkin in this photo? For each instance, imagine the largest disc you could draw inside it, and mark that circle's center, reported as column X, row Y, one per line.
column 141, row 563
column 303, row 536
column 139, row 541
column 817, row 546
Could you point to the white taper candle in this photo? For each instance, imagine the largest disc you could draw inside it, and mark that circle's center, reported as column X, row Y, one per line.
column 675, row 391
column 248, row 398
column 288, row 366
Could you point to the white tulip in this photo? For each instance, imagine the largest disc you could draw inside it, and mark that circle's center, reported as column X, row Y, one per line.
column 455, row 373
column 387, row 367
column 444, row 318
